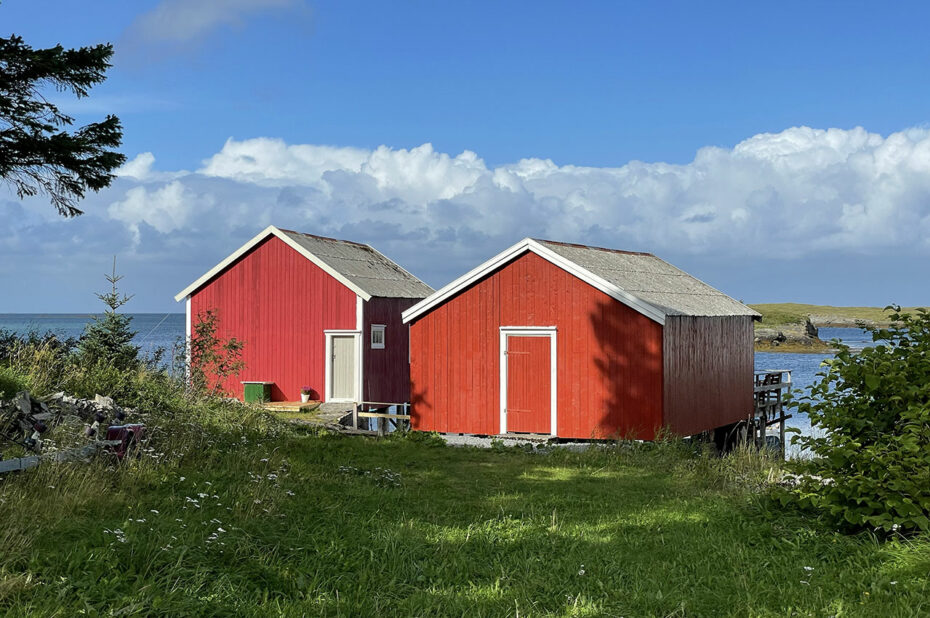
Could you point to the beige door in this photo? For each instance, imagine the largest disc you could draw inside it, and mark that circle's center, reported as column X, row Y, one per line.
column 343, row 368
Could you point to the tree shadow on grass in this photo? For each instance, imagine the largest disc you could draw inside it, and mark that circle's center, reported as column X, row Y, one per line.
column 501, row 531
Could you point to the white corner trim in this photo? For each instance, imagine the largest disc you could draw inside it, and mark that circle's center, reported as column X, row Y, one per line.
column 359, row 313
column 328, row 364
column 187, row 338
column 268, row 231
column 187, row 319
column 528, row 244
column 531, row 331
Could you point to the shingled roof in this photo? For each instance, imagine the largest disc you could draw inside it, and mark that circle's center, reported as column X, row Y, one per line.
column 363, row 265
column 359, row 267
column 653, row 280
column 646, row 283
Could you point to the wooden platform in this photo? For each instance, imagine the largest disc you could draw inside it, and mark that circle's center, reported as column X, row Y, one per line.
column 291, row 406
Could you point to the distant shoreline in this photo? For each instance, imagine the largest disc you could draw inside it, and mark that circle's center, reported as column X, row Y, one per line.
column 794, row 327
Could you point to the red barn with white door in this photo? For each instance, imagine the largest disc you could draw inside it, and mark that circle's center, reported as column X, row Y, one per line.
column 312, row 311
column 579, row 342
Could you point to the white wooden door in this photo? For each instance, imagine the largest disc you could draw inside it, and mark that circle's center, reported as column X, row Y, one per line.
column 343, row 367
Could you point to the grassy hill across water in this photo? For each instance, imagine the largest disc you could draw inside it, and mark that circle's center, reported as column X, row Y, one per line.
column 780, row 314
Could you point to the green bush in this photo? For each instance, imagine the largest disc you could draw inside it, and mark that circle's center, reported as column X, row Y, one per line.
column 11, row 382
column 871, row 457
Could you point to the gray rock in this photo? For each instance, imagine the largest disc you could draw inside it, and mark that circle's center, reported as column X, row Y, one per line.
column 105, row 403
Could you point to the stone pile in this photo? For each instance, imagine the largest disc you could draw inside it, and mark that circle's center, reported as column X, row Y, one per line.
column 24, row 418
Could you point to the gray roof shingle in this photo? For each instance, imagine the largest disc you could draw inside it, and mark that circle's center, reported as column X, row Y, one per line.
column 363, row 266
column 653, row 280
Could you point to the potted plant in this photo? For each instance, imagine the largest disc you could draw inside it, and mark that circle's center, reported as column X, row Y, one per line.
column 305, row 393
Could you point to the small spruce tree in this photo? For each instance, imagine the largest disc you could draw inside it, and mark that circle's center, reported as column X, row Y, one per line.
column 109, row 339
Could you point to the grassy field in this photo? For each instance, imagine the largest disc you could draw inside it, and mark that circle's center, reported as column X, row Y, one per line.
column 231, row 511
column 263, row 520
column 777, row 314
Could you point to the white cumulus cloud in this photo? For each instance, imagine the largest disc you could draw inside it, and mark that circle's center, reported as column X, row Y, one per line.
column 817, row 194
column 166, row 208
column 796, row 192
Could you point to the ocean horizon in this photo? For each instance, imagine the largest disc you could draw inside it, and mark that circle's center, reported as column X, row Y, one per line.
column 153, row 330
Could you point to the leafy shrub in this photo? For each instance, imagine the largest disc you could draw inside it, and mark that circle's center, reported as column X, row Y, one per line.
column 11, row 382
column 871, row 458
column 209, row 358
column 13, row 344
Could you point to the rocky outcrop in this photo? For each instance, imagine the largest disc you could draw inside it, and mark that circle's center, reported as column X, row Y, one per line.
column 802, row 336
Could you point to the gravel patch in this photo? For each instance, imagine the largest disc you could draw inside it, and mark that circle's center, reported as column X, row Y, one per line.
column 486, row 442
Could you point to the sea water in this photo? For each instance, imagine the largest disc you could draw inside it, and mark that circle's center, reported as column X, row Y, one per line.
column 153, row 330
column 805, row 367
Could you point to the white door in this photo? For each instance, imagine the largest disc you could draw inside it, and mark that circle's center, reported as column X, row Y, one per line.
column 343, row 367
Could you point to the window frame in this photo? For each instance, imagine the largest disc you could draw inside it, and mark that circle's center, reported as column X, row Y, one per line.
column 377, row 328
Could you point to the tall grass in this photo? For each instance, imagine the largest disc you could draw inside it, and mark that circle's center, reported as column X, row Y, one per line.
column 232, row 512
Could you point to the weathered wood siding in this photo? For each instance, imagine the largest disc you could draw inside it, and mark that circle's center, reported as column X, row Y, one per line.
column 387, row 371
column 708, row 372
column 278, row 303
column 609, row 356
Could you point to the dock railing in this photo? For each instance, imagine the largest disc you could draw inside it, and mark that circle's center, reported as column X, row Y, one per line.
column 769, row 387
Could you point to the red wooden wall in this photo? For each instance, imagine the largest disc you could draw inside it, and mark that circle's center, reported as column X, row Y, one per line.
column 708, row 372
column 387, row 372
column 278, row 303
column 609, row 356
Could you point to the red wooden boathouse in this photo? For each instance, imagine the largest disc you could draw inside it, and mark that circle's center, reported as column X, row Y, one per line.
column 312, row 311
column 579, row 342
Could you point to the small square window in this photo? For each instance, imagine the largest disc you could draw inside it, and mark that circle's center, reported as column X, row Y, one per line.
column 377, row 336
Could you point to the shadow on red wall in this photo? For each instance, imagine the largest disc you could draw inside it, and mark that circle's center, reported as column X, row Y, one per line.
column 629, row 364
column 418, row 405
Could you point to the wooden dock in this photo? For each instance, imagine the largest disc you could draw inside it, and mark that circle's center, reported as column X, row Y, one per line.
column 769, row 387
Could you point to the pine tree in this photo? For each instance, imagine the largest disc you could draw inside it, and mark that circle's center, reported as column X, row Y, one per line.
column 109, row 339
column 37, row 154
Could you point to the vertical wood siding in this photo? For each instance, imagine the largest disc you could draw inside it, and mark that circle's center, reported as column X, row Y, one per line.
column 387, row 372
column 708, row 372
column 278, row 303
column 609, row 356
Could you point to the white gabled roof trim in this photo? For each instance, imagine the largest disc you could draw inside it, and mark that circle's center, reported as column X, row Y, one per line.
column 528, row 244
column 268, row 231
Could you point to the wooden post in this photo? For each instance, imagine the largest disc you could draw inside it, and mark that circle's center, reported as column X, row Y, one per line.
column 781, row 435
column 355, row 417
column 382, row 426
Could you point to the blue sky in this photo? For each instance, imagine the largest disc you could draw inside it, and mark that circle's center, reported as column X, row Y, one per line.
column 779, row 153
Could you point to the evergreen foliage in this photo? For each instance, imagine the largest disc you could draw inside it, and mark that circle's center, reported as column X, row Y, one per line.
column 37, row 152
column 109, row 339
